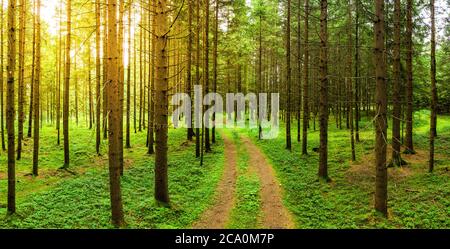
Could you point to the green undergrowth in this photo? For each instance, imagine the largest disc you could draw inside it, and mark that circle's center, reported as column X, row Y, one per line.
column 247, row 209
column 417, row 199
column 82, row 200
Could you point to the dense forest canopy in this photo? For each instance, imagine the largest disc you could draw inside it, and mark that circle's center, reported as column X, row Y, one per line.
column 93, row 81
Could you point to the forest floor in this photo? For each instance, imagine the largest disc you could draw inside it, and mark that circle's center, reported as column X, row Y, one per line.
column 244, row 183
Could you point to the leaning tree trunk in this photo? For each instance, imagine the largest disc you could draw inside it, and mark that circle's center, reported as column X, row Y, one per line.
column 10, row 107
column 113, row 116
column 381, row 116
column 161, row 101
column 323, row 67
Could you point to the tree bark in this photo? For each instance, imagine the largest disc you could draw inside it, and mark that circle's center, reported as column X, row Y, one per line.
column 2, row 114
column 381, row 116
column 350, row 81
column 323, row 67
column 215, row 58
column 433, row 87
column 21, row 87
column 288, row 76
column 409, row 80
column 396, row 142
column 161, row 101
column 36, row 89
column 10, row 106
column 151, row 90
column 66, row 89
column 113, row 116
column 98, row 77
column 306, row 83
column 127, row 139
column 206, row 70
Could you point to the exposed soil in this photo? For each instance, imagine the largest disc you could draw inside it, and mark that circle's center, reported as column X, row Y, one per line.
column 275, row 214
column 217, row 216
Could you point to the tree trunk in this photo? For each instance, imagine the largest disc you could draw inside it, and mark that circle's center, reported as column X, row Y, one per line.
column 396, row 143
column 2, row 114
column 206, row 70
column 21, row 88
column 105, row 70
column 357, row 80
column 151, row 90
column 90, row 90
column 98, row 77
column 121, row 82
column 127, row 139
column 215, row 55
column 409, row 80
column 197, row 80
column 190, row 131
column 433, row 87
column 288, row 76
column 350, row 82
column 66, row 89
column 306, row 83
column 299, row 70
column 58, row 92
column 113, row 116
column 161, row 102
column 323, row 156
column 36, row 95
column 10, row 106
column 381, row 115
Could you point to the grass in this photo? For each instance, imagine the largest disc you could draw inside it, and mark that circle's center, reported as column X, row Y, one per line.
column 58, row 200
column 417, row 199
column 247, row 210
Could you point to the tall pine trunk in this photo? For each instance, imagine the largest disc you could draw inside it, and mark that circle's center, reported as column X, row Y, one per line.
column 433, row 87
column 161, row 101
column 306, row 83
column 114, row 115
column 323, row 67
column 21, row 87
column 97, row 77
column 67, row 89
column 381, row 111
column 409, row 80
column 36, row 89
column 190, row 131
column 288, row 76
column 10, row 106
column 396, row 142
column 2, row 114
column 127, row 137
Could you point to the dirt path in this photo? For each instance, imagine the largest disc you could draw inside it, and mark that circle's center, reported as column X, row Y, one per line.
column 275, row 214
column 217, row 216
